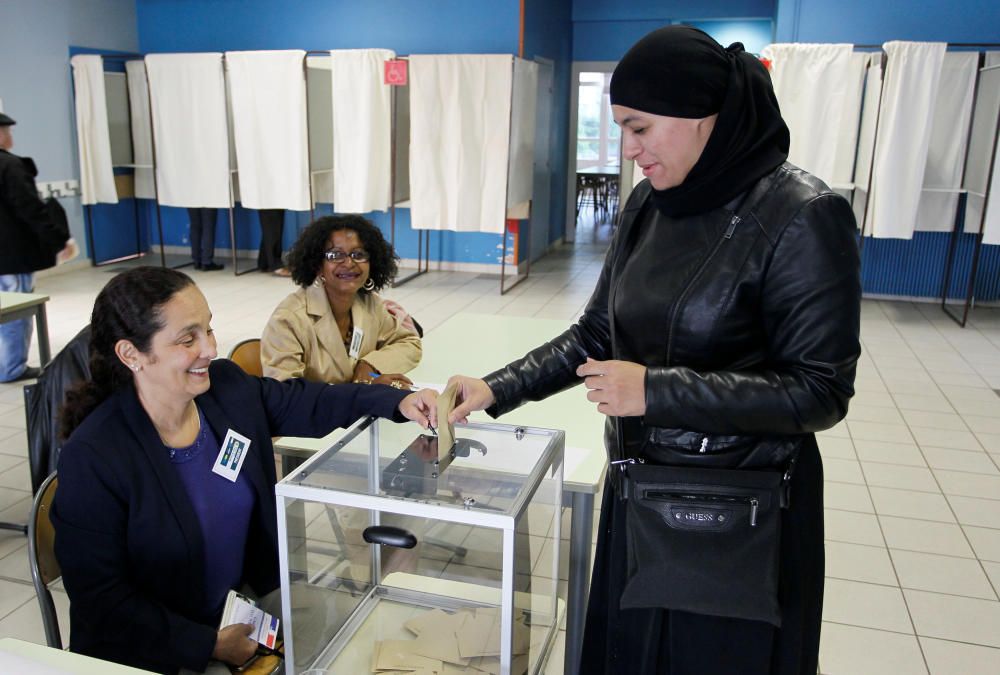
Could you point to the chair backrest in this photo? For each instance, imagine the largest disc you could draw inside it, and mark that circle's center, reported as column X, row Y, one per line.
column 42, row 557
column 43, row 399
column 246, row 355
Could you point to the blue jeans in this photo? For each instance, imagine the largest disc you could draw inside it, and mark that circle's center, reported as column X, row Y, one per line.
column 15, row 336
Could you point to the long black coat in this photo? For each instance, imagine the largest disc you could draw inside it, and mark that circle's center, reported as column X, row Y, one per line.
column 30, row 236
column 760, row 340
column 127, row 537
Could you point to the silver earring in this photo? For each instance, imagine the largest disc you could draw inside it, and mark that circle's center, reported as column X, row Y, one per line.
column 135, row 367
column 369, row 285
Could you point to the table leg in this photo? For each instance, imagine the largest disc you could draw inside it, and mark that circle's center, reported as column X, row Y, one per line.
column 42, row 328
column 580, row 535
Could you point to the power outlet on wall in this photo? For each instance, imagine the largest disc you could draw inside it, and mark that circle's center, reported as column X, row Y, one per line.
column 58, row 188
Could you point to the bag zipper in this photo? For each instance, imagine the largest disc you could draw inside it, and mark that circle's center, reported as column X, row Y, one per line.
column 622, row 466
column 754, row 503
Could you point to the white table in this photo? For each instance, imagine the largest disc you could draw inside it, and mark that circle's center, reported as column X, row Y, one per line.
column 475, row 344
column 27, row 658
column 14, row 306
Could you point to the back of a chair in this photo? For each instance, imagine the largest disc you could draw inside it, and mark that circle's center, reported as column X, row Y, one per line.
column 43, row 400
column 42, row 557
column 246, row 355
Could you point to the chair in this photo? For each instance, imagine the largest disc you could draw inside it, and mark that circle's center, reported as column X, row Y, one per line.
column 42, row 400
column 246, row 355
column 42, row 558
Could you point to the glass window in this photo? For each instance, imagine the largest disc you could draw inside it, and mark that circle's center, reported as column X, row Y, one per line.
column 598, row 137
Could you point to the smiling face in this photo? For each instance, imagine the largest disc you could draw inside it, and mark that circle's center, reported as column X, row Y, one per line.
column 344, row 276
column 175, row 369
column 666, row 148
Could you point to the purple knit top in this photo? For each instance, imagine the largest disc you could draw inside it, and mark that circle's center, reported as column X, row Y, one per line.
column 223, row 509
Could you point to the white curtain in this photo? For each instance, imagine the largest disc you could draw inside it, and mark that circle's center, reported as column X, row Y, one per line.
column 949, row 136
column 521, row 170
column 142, row 133
column 97, row 179
column 362, row 130
column 991, row 228
column 981, row 153
column 188, row 94
column 460, row 108
column 268, row 92
column 817, row 87
column 912, row 76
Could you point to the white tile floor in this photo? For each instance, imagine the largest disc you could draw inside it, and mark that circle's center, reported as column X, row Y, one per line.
column 912, row 475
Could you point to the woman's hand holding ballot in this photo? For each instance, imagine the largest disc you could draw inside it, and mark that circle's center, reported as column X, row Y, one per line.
column 473, row 394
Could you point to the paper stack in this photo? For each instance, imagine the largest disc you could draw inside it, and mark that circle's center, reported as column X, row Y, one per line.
column 448, row 643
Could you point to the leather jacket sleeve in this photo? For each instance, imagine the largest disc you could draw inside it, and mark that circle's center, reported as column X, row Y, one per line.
column 551, row 368
column 810, row 306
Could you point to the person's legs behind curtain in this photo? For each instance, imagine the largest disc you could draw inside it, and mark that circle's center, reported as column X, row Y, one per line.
column 272, row 223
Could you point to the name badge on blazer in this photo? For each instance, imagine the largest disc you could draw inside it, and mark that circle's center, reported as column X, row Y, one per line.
column 231, row 455
column 355, row 349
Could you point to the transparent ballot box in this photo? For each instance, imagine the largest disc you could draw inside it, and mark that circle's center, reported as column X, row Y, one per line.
column 398, row 557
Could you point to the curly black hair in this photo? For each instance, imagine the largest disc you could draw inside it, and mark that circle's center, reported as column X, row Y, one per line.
column 306, row 257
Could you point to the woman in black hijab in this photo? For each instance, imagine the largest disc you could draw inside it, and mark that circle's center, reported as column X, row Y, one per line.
column 724, row 325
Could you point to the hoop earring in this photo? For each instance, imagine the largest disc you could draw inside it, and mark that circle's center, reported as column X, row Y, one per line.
column 369, row 285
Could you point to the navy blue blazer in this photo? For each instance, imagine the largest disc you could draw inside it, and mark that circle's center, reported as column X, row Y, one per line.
column 127, row 538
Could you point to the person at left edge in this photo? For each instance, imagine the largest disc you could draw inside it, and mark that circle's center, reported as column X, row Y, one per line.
column 150, row 540
column 30, row 239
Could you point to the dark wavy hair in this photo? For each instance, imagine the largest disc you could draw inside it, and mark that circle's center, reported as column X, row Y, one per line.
column 127, row 308
column 306, row 257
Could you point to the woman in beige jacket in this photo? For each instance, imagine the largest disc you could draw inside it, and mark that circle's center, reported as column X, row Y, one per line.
column 335, row 328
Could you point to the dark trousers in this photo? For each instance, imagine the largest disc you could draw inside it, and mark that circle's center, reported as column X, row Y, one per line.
column 272, row 225
column 203, row 235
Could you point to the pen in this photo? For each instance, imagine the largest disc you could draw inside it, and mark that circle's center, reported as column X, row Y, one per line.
column 432, row 429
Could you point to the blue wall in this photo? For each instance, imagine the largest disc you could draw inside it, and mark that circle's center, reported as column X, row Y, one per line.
column 604, row 30
column 867, row 22
column 35, row 80
column 548, row 33
column 406, row 26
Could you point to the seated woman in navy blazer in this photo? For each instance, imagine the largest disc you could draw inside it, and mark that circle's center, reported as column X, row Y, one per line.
column 149, row 534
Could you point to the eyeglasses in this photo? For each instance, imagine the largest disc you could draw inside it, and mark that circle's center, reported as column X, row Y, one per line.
column 356, row 255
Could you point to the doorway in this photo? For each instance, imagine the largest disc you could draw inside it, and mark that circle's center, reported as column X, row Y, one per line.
column 594, row 162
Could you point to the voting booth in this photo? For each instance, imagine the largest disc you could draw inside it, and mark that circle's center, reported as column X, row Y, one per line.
column 405, row 549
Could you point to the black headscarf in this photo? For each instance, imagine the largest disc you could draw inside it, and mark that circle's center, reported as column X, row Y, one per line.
column 679, row 71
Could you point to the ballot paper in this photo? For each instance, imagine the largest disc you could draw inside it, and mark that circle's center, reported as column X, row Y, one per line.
column 241, row 609
column 464, row 641
column 446, row 430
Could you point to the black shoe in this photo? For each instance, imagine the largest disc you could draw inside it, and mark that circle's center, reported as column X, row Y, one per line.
column 29, row 373
column 211, row 267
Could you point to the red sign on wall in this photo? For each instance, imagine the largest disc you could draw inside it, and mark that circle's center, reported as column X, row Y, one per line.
column 395, row 72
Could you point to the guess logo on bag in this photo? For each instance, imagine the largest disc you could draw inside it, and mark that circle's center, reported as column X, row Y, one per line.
column 690, row 518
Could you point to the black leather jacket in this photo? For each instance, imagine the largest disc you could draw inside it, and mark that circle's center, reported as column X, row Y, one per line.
column 762, row 341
